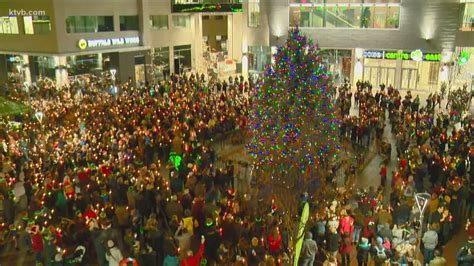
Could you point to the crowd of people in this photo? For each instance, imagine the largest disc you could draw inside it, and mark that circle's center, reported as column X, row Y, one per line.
column 117, row 174
column 434, row 155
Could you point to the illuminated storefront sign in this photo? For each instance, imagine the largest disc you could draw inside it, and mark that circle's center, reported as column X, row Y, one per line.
column 207, row 7
column 416, row 55
column 109, row 42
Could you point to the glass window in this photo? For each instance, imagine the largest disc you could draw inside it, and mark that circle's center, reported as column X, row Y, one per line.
column 345, row 14
column 468, row 17
column 366, row 18
column 37, row 24
column 307, row 16
column 254, row 13
column 159, row 22
column 161, row 62
column 45, row 66
column 182, row 58
column 339, row 2
column 83, row 64
column 9, row 25
column 380, row 16
column 190, row 2
column 259, row 58
column 128, row 23
column 83, row 24
column 182, row 21
column 393, row 15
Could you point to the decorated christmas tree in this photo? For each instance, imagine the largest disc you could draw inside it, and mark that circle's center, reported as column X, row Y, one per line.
column 294, row 128
column 293, row 119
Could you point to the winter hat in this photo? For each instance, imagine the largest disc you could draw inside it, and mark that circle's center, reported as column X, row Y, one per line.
column 308, row 235
column 379, row 241
column 364, row 240
column 110, row 243
column 254, row 241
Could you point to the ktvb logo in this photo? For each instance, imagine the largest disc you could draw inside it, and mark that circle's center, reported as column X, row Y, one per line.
column 82, row 44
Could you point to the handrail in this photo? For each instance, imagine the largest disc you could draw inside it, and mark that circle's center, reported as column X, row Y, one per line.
column 341, row 19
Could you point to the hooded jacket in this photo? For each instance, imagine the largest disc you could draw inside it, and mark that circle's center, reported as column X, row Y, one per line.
column 430, row 239
column 310, row 248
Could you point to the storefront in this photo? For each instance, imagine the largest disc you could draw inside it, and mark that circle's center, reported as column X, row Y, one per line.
column 14, row 66
column 407, row 70
column 182, row 58
column 258, row 58
column 338, row 63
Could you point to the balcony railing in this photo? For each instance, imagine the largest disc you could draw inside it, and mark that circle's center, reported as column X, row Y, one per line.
column 467, row 26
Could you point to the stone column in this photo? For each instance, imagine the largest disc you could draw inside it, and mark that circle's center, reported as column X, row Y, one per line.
column 26, row 69
column 3, row 69
column 60, row 63
column 398, row 73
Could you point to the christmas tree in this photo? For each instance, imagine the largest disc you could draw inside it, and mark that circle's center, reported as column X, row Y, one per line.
column 293, row 119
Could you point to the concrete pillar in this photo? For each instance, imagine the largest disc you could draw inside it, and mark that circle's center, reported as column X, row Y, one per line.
column 60, row 63
column 446, row 57
column 33, row 68
column 172, row 59
column 126, row 67
column 26, row 69
column 358, row 63
column 236, row 20
column 197, row 45
column 3, row 70
column 398, row 73
column 100, row 61
column 148, row 66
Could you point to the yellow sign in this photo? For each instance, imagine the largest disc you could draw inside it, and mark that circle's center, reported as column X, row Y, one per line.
column 82, row 44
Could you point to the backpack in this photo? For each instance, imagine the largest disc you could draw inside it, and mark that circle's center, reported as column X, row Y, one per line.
column 381, row 256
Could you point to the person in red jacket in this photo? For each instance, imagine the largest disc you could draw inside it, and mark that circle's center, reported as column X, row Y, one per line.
column 275, row 242
column 194, row 260
column 383, row 175
column 346, row 229
column 37, row 243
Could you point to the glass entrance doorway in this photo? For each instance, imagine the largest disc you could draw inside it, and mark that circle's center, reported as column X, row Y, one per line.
column 140, row 68
column 409, row 79
column 379, row 71
column 380, row 75
column 422, row 76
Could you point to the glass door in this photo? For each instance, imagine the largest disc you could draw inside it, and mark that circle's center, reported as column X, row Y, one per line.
column 409, row 79
column 387, row 76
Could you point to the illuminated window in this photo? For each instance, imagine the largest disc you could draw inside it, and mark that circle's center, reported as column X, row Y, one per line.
column 9, row 25
column 182, row 21
column 159, row 22
column 254, row 13
column 380, row 14
column 37, row 24
column 467, row 23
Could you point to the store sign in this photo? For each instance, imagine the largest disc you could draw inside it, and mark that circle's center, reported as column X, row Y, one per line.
column 109, row 42
column 15, row 59
column 374, row 54
column 416, row 55
column 397, row 55
column 207, row 7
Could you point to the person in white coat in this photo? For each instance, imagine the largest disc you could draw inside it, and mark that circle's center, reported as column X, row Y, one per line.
column 113, row 254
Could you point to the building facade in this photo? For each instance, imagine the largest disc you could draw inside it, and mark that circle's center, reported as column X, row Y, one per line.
column 410, row 44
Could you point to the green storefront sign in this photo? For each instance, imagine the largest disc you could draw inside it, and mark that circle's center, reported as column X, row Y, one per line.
column 416, row 55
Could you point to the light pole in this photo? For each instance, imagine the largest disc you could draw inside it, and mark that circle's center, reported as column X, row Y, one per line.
column 422, row 200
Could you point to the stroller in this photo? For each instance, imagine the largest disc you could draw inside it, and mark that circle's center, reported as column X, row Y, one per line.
column 74, row 258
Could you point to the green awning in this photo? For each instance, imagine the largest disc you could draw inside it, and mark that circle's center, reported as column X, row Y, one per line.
column 8, row 107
